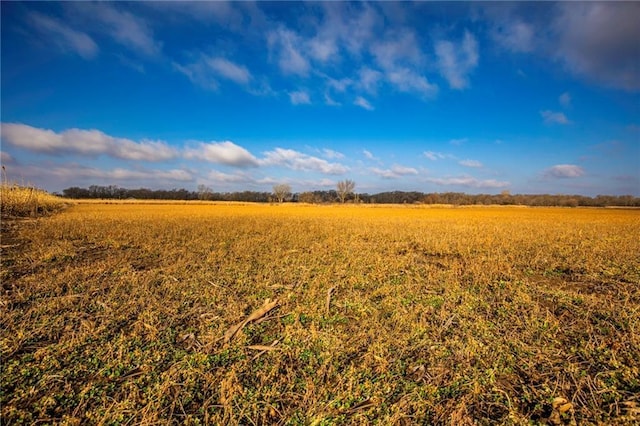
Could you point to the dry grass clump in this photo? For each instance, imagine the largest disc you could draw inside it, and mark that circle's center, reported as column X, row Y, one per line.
column 23, row 201
column 322, row 315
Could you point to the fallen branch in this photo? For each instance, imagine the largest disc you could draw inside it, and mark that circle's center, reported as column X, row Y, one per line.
column 263, row 349
column 255, row 315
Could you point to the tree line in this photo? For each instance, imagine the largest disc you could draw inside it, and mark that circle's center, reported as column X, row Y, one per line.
column 346, row 194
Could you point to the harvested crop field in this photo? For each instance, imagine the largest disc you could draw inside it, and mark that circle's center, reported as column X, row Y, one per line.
column 321, row 315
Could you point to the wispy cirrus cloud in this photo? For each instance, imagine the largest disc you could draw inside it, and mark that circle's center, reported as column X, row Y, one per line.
column 286, row 47
column 457, row 60
column 300, row 97
column 554, row 117
column 71, row 172
column 369, row 155
column 470, row 163
column 229, row 70
column 363, row 103
column 130, row 31
column 84, row 142
column 433, row 156
column 207, row 70
column 63, row 37
column 565, row 99
column 458, row 141
column 236, row 177
column 332, row 155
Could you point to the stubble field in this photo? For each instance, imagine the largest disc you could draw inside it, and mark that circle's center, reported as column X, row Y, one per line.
column 321, row 315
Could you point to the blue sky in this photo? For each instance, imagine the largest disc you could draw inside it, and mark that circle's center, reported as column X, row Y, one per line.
column 433, row 97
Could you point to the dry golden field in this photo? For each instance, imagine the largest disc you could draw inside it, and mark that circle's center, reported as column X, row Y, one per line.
column 321, row 315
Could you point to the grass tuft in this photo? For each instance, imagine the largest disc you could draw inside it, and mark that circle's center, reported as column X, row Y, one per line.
column 27, row 201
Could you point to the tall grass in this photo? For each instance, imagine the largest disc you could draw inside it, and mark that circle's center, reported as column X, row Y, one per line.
column 22, row 201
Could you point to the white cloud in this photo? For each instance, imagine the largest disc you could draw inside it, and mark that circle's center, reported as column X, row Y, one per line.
column 551, row 117
column 433, row 156
column 470, row 163
column 300, row 97
column 126, row 29
column 73, row 172
column 403, row 170
column 298, row 161
column 206, row 71
column 407, row 80
column 322, row 48
column 468, row 181
column 369, row 79
column 230, row 70
column 339, row 85
column 395, row 49
column 63, row 37
column 369, row 156
column 565, row 99
column 332, row 155
column 217, row 176
column 564, row 171
column 363, row 103
column 459, row 141
column 287, row 46
column 515, row 35
column 199, row 74
column 395, row 172
column 227, row 153
column 84, row 142
column 457, row 61
column 328, row 100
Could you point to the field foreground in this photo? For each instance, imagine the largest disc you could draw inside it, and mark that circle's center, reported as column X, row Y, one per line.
column 293, row 314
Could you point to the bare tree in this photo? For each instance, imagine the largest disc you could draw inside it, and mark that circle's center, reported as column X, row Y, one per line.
column 204, row 192
column 281, row 192
column 344, row 188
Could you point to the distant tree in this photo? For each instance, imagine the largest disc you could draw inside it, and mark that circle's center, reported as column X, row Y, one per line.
column 204, row 192
column 281, row 192
column 307, row 197
column 345, row 188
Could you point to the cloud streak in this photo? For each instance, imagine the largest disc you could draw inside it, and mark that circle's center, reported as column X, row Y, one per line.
column 300, row 97
column 457, row 61
column 564, row 171
column 226, row 153
column 470, row 163
column 554, row 117
column 84, row 142
column 63, row 37
column 207, row 70
column 363, row 103
column 395, row 172
column 468, row 181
